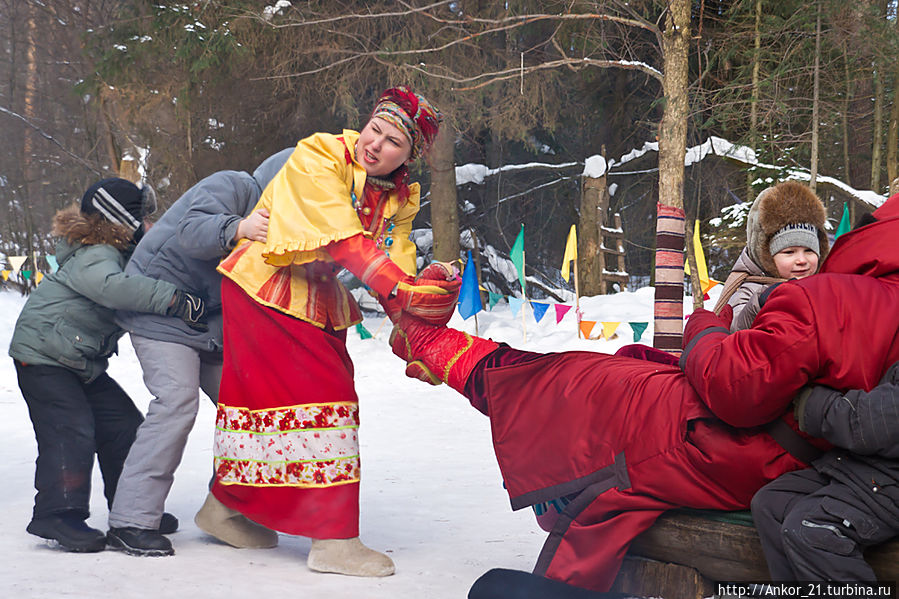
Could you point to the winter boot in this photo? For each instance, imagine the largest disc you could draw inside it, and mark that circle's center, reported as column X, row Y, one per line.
column 139, row 541
column 348, row 556
column 71, row 532
column 438, row 354
column 168, row 524
column 232, row 527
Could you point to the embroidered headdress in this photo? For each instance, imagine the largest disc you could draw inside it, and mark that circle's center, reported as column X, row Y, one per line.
column 412, row 114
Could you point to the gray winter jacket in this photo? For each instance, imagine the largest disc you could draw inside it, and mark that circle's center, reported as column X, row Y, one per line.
column 188, row 242
column 865, row 428
column 745, row 300
column 68, row 320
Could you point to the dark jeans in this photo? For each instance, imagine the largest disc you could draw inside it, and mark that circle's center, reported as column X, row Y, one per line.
column 74, row 420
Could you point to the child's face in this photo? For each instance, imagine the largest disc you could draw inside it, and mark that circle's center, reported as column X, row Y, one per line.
column 382, row 148
column 796, row 262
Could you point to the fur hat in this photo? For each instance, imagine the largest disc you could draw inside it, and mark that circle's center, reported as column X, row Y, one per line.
column 120, row 201
column 784, row 215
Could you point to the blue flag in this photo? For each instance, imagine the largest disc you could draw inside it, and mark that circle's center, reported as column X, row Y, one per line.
column 539, row 309
column 469, row 294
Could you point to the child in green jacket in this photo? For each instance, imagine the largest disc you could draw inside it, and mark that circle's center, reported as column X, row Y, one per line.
column 61, row 345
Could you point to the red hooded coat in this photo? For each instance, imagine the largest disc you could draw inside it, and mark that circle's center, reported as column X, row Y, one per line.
column 629, row 439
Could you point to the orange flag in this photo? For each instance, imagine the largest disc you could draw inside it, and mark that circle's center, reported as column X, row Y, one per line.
column 586, row 327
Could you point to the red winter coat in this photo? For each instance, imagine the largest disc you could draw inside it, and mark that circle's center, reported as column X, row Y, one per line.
column 629, row 439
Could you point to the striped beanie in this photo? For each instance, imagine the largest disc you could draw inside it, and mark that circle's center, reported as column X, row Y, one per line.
column 119, row 201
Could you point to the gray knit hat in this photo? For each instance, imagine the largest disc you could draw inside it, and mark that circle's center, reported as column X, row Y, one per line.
column 796, row 235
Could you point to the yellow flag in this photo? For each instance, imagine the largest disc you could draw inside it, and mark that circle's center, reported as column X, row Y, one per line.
column 5, row 274
column 38, row 277
column 704, row 281
column 608, row 329
column 570, row 252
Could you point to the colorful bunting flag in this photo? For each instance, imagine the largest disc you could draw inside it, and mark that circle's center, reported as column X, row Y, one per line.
column 16, row 262
column 561, row 311
column 515, row 303
column 38, row 277
column 517, row 256
column 51, row 260
column 844, row 225
column 638, row 328
column 608, row 329
column 26, row 274
column 5, row 274
column 363, row 332
column 539, row 309
column 469, row 296
column 493, row 298
column 570, row 252
column 586, row 327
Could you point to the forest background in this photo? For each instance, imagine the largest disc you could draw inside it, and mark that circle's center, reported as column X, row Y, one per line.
column 177, row 91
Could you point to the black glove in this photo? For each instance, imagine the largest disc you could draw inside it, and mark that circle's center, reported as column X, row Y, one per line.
column 190, row 308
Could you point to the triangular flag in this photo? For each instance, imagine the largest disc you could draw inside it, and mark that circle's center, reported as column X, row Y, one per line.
column 570, row 252
column 638, row 328
column 469, row 296
column 608, row 329
column 26, row 274
column 38, row 277
column 16, row 262
column 700, row 260
column 517, row 256
column 493, row 298
column 844, row 225
column 51, row 260
column 363, row 332
column 539, row 309
column 5, row 274
column 586, row 327
column 515, row 303
column 561, row 311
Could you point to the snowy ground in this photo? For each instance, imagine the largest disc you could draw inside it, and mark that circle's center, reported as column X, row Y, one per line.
column 432, row 496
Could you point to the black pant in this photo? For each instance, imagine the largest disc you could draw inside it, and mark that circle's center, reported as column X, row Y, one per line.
column 813, row 527
column 72, row 421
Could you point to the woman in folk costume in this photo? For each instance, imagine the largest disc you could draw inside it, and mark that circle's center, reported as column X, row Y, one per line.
column 286, row 445
column 623, row 440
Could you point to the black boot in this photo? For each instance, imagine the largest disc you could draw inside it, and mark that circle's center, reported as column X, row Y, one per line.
column 71, row 532
column 139, row 541
column 168, row 524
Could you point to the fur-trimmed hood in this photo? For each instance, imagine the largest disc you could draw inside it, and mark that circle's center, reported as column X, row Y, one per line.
column 783, row 204
column 93, row 229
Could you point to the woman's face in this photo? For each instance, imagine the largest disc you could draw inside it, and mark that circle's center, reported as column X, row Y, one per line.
column 382, row 148
column 796, row 262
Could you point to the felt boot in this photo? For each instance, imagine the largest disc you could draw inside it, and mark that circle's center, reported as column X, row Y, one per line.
column 232, row 527
column 438, row 354
column 348, row 556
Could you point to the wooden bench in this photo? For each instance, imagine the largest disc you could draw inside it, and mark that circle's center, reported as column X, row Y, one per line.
column 685, row 553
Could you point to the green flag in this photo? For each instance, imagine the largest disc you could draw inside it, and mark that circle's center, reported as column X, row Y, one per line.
column 363, row 332
column 517, row 255
column 844, row 225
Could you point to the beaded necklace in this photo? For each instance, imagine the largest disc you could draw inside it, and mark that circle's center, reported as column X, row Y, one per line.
column 381, row 228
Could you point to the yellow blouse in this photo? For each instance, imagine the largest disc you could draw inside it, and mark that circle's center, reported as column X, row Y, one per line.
column 310, row 203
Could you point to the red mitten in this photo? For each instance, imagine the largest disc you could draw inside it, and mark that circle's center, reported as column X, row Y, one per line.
column 702, row 319
column 431, row 300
